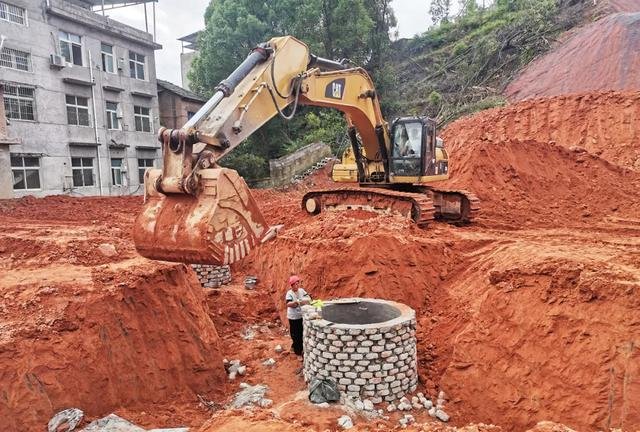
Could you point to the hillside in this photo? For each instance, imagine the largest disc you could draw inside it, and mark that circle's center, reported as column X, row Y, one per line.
column 464, row 66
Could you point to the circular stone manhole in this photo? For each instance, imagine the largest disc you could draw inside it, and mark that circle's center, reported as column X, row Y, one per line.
column 361, row 312
column 367, row 346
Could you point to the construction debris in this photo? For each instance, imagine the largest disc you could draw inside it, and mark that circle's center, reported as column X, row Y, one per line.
column 250, row 396
column 345, row 422
column 66, row 420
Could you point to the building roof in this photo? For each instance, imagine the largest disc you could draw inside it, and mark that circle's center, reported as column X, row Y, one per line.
column 190, row 41
column 182, row 92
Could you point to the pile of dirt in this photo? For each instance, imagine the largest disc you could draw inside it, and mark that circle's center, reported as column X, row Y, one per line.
column 601, row 56
column 604, row 124
column 625, row 5
column 88, row 323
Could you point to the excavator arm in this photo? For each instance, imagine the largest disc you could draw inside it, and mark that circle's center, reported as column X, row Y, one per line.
column 198, row 212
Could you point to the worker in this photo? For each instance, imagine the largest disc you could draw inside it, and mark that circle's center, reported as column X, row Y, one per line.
column 295, row 298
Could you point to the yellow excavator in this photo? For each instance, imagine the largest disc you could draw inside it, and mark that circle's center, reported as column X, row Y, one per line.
column 198, row 212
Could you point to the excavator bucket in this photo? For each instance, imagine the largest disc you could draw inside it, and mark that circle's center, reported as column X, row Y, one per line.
column 217, row 225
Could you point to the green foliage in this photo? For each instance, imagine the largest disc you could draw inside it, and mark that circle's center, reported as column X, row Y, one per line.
column 469, row 61
column 354, row 29
column 435, row 98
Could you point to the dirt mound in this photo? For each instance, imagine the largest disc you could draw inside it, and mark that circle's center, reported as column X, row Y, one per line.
column 93, row 329
column 602, row 56
column 625, row 5
column 534, row 183
column 603, row 123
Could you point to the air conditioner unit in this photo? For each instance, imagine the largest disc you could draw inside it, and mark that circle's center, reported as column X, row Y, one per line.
column 120, row 63
column 119, row 113
column 57, row 61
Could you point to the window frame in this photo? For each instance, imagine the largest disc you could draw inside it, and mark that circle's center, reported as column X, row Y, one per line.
column 112, row 114
column 77, row 108
column 8, row 14
column 119, row 170
column 112, row 54
column 13, row 56
column 142, row 168
column 24, row 168
column 133, row 71
column 82, row 168
column 142, row 117
column 71, row 43
column 17, row 98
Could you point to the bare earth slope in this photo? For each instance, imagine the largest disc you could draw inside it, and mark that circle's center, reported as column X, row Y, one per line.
column 604, row 55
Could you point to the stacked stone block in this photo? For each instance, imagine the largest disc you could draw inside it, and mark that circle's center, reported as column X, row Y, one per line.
column 371, row 361
column 212, row 276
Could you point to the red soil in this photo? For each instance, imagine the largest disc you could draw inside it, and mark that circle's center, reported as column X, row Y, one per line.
column 625, row 5
column 604, row 124
column 604, row 55
column 528, row 315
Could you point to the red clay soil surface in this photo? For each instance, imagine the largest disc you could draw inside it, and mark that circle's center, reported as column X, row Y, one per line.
column 625, row 5
column 603, row 124
column 604, row 55
column 530, row 314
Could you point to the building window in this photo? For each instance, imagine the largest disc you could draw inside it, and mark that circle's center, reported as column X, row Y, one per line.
column 82, row 170
column 190, row 114
column 112, row 116
column 26, row 172
column 142, row 118
column 15, row 59
column 19, row 102
column 116, row 171
column 143, row 164
column 136, row 65
column 77, row 110
column 14, row 14
column 71, row 47
column 108, row 58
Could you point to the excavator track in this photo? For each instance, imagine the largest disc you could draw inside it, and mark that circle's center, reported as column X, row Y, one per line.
column 456, row 206
column 418, row 206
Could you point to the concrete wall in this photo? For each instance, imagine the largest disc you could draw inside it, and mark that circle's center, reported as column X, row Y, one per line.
column 284, row 168
column 6, row 179
column 49, row 136
column 186, row 59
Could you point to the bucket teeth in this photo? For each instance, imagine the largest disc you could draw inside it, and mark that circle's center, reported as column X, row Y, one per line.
column 219, row 225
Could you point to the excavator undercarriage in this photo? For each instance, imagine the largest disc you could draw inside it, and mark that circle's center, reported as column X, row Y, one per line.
column 423, row 205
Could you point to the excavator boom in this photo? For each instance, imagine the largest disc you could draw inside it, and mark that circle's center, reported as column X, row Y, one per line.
column 197, row 212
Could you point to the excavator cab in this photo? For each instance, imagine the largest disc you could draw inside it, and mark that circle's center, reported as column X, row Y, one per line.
column 414, row 152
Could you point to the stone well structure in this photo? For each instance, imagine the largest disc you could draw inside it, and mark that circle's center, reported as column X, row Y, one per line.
column 368, row 346
column 212, row 276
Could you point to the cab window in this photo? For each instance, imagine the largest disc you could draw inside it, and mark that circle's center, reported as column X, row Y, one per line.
column 407, row 139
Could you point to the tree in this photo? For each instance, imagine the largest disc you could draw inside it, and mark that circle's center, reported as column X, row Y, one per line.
column 439, row 11
column 354, row 29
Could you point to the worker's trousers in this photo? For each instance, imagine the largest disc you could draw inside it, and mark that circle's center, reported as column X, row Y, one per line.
column 295, row 329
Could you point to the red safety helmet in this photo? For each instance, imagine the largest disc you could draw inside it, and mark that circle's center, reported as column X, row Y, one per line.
column 293, row 279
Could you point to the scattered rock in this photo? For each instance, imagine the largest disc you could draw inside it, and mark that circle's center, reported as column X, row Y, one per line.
column 269, row 362
column 427, row 404
column 406, row 420
column 249, row 395
column 368, row 405
column 250, row 282
column 248, row 334
column 391, row 407
column 265, row 403
column 107, row 249
column 242, row 370
column 442, row 416
column 359, row 405
column 345, row 422
column 65, row 420
column 278, row 349
column 432, row 411
column 112, row 423
column 323, row 405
